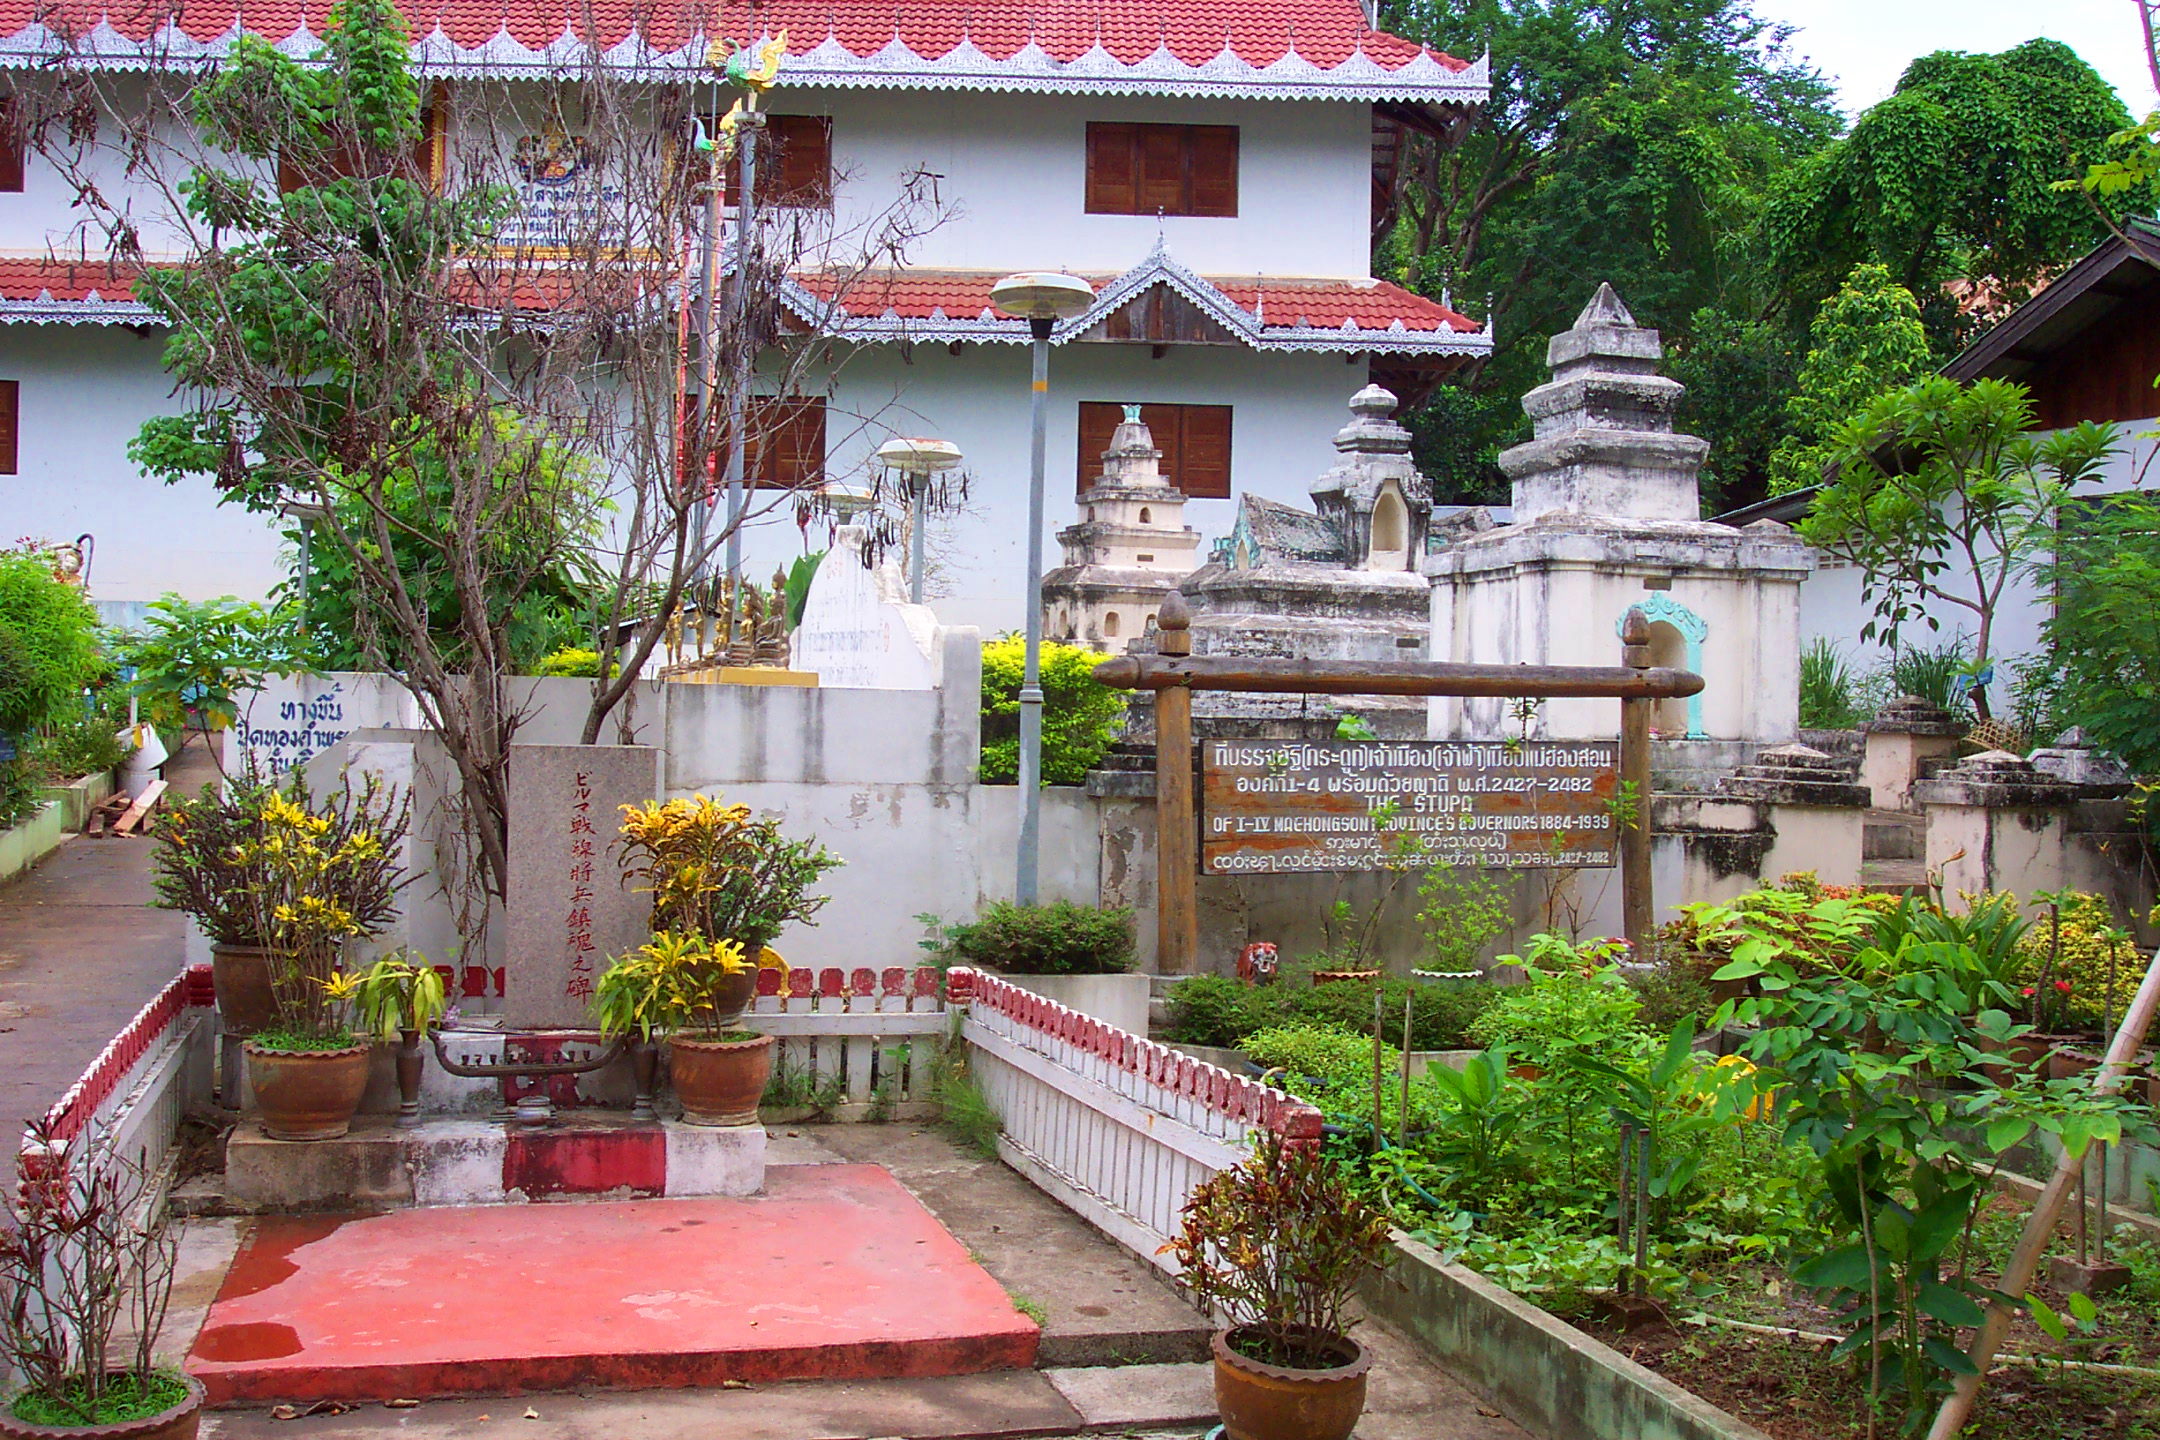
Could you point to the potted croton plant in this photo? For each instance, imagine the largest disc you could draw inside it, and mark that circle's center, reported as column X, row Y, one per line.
column 312, row 874
column 84, row 1257
column 211, row 867
column 1273, row 1250
column 724, row 885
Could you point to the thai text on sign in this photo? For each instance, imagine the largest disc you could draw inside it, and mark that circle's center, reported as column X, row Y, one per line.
column 1273, row 808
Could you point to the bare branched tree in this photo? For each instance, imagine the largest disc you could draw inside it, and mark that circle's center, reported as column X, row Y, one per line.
column 453, row 327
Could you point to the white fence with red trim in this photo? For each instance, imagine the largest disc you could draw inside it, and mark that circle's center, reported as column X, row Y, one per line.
column 860, row 1037
column 1117, row 1127
column 133, row 1096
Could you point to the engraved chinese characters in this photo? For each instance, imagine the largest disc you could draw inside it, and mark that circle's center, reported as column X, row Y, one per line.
column 1270, row 807
column 568, row 913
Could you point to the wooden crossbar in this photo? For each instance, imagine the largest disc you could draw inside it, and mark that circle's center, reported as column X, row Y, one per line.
column 1394, row 677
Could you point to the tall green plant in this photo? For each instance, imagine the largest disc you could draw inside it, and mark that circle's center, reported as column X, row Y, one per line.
column 48, row 650
column 1080, row 714
column 1866, row 339
column 197, row 658
column 2105, row 649
column 1829, row 695
column 1944, row 496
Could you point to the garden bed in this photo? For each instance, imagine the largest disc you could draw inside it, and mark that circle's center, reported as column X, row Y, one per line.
column 24, row 844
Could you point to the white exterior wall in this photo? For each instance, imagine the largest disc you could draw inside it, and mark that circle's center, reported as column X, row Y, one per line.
column 1286, row 410
column 85, row 392
column 1014, row 167
column 1833, row 603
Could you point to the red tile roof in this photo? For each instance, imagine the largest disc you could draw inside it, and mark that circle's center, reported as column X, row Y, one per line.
column 64, row 281
column 1132, row 33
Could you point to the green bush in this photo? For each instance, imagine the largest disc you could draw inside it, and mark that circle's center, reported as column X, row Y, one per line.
column 1340, row 1060
column 1056, row 939
column 571, row 662
column 48, row 651
column 48, row 642
column 196, row 658
column 75, row 745
column 1080, row 716
column 1829, row 692
column 1218, row 1010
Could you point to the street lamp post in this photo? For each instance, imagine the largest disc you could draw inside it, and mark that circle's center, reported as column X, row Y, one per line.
column 918, row 458
column 1042, row 300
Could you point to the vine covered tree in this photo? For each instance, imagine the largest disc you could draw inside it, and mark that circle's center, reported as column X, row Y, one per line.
column 1955, row 178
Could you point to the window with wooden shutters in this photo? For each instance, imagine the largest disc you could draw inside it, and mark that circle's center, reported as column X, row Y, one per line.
column 1168, row 169
column 423, row 161
column 1194, row 440
column 11, row 148
column 794, row 161
column 786, row 448
column 10, row 424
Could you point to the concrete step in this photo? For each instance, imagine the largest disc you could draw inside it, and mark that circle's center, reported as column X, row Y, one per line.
column 1894, row 877
column 834, row 1272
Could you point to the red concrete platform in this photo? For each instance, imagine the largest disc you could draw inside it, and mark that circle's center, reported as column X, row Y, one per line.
column 834, row 1273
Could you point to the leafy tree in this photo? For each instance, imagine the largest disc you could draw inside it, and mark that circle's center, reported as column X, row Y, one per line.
column 197, row 657
column 1628, row 142
column 1954, row 178
column 1942, row 496
column 2105, row 648
column 1866, row 339
column 48, row 650
column 1738, row 371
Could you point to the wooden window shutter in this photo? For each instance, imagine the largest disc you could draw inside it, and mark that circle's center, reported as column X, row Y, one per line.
column 1098, row 422
column 1214, row 170
column 426, row 160
column 10, row 425
column 1204, row 455
column 795, row 161
column 1163, row 181
column 787, row 444
column 11, row 158
column 1113, row 169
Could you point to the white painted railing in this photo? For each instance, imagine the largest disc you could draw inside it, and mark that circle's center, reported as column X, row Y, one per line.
column 863, row 1037
column 131, row 1099
column 1117, row 1127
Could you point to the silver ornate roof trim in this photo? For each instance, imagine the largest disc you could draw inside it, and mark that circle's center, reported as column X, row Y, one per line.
column 1159, row 268
column 1031, row 69
column 90, row 310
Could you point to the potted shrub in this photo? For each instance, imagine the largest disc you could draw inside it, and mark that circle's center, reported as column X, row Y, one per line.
column 724, row 885
column 1273, row 1250
column 1077, row 955
column 84, row 1252
column 311, row 875
column 209, row 867
column 399, row 998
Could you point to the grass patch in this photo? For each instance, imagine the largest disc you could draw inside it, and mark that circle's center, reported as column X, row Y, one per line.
column 965, row 1112
column 288, row 1042
column 125, row 1397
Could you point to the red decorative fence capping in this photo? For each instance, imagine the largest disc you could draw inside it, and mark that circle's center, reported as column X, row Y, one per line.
column 1209, row 1086
column 835, row 988
column 71, row 1113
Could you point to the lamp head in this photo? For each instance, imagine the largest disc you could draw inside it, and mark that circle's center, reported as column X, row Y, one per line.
column 1042, row 295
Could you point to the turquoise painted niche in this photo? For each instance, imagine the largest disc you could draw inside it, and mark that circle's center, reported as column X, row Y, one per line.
column 1660, row 605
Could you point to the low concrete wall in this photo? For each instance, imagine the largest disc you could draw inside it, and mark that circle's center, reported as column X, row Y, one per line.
column 1120, row 1000
column 1549, row 1377
column 22, row 846
column 79, row 797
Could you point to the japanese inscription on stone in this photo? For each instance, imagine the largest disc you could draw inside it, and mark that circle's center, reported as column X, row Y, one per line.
column 1280, row 807
column 569, row 914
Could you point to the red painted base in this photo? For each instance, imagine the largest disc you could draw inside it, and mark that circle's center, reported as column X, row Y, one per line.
column 834, row 1273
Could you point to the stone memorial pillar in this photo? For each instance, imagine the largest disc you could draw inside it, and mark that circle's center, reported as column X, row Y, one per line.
column 1996, row 823
column 1902, row 739
column 569, row 913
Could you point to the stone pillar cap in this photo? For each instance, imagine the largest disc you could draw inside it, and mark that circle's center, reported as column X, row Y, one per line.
column 1911, row 715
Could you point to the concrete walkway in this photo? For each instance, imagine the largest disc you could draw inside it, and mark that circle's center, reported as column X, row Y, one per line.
column 81, row 950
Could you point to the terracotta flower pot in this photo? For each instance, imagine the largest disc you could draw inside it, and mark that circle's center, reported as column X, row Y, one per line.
column 720, row 1081
column 733, row 995
column 246, row 999
column 1330, row 977
column 308, row 1094
column 177, row 1423
column 1274, row 1402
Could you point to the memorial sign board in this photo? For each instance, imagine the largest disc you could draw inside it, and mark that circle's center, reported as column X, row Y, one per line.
column 1271, row 807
